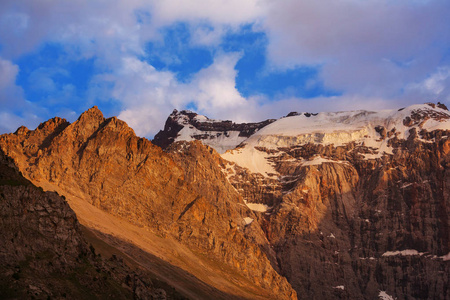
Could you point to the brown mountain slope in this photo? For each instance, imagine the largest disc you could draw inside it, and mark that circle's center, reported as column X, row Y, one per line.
column 99, row 163
column 44, row 253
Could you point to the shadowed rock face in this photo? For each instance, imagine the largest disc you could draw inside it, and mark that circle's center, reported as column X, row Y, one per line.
column 103, row 162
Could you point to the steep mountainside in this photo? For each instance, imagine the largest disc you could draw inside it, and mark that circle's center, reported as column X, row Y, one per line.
column 354, row 204
column 100, row 162
column 44, row 253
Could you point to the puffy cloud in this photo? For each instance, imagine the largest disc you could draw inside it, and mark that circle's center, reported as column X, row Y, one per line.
column 8, row 72
column 436, row 87
column 89, row 27
column 148, row 96
column 12, row 100
column 10, row 94
column 367, row 47
column 376, row 53
column 231, row 12
column 105, row 26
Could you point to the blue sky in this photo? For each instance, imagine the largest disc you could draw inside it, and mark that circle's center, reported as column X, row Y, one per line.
column 240, row 60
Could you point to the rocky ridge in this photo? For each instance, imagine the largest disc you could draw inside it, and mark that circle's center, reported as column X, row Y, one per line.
column 103, row 162
column 221, row 135
column 354, row 204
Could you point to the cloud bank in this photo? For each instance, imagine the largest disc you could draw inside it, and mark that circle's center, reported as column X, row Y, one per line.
column 371, row 54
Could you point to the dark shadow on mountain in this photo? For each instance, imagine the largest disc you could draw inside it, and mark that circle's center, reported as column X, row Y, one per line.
column 178, row 283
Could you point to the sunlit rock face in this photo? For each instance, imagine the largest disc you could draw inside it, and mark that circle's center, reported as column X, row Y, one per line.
column 354, row 204
column 181, row 195
column 44, row 253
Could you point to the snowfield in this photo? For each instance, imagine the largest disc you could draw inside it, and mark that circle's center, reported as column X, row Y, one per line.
column 337, row 128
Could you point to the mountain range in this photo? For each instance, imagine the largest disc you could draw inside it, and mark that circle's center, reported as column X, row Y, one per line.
column 343, row 205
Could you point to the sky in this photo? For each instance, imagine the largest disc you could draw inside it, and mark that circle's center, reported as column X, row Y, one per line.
column 227, row 59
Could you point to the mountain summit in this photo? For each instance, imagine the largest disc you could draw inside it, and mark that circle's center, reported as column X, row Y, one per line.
column 186, row 125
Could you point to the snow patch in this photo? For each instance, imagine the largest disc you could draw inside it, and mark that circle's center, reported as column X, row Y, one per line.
column 259, row 207
column 229, row 171
column 446, row 257
column 252, row 159
column 337, row 128
column 341, row 287
column 406, row 252
column 384, row 296
column 406, row 185
column 248, row 220
column 331, row 236
column 219, row 141
column 340, row 128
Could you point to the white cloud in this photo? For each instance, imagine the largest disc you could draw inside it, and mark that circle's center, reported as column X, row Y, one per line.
column 213, row 88
column 231, row 12
column 148, row 95
column 435, row 87
column 437, row 82
column 12, row 99
column 9, row 122
column 10, row 94
column 8, row 72
column 371, row 51
column 366, row 47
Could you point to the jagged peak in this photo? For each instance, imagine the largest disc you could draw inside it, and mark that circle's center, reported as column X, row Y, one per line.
column 93, row 113
column 52, row 123
column 118, row 124
column 22, row 130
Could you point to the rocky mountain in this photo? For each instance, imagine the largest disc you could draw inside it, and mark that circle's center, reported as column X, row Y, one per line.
column 355, row 205
column 345, row 205
column 44, row 253
column 189, row 126
column 173, row 214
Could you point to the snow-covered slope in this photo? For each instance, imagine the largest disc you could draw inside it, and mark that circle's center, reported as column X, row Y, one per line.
column 220, row 141
column 254, row 145
column 220, row 135
column 365, row 128
column 339, row 128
